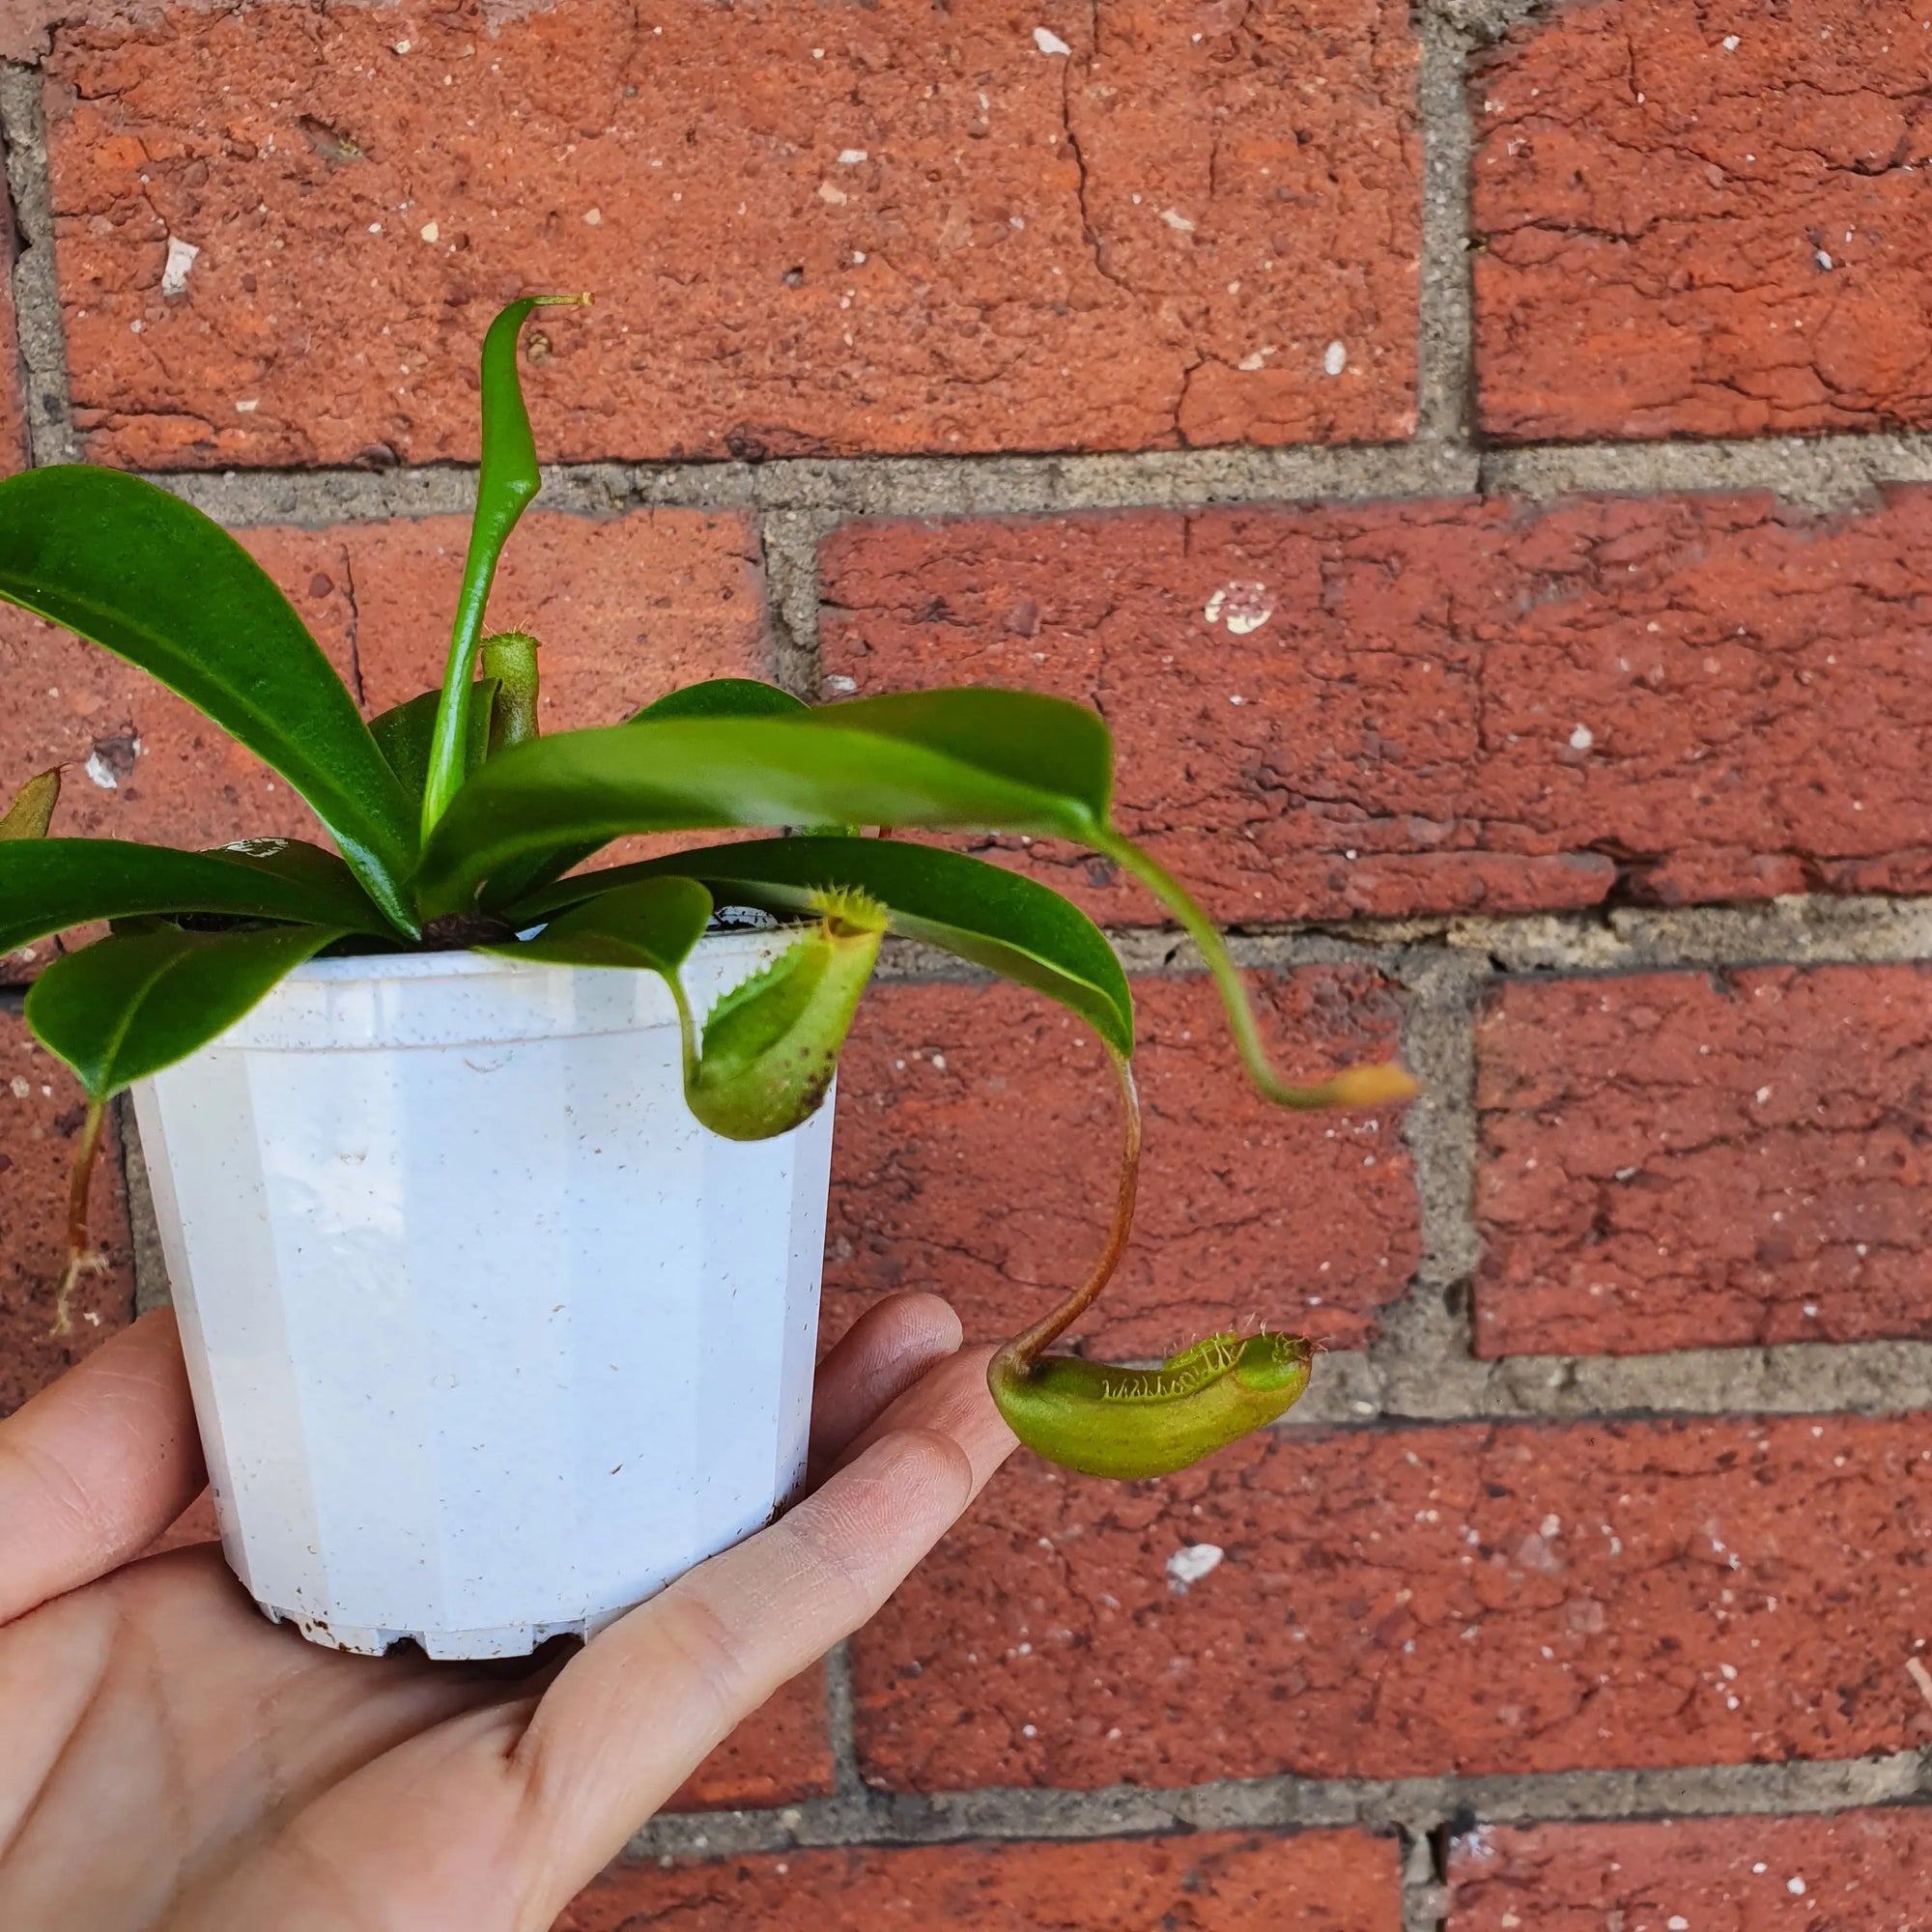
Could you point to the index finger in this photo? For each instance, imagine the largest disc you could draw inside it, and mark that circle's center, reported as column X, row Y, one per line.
column 95, row 1467
column 634, row 1711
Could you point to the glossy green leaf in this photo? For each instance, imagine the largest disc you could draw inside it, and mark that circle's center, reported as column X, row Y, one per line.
column 128, row 1007
column 506, row 482
column 996, row 919
column 591, row 786
column 651, row 924
column 49, row 885
column 32, row 810
column 333, row 897
column 1044, row 744
column 404, row 732
column 715, row 698
column 771, row 1044
column 137, row 570
column 722, row 698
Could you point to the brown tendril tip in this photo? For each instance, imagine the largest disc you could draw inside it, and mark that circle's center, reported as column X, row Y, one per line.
column 81, row 1258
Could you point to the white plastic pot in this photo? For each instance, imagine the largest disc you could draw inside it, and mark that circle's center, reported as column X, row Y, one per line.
column 489, row 1339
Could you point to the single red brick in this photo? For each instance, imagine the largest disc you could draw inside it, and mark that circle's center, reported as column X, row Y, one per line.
column 780, row 1754
column 1213, row 1881
column 977, row 1147
column 1396, row 1603
column 1684, row 1159
column 806, row 232
column 1854, row 1871
column 1659, row 259
column 42, row 1109
column 627, row 607
column 1447, row 706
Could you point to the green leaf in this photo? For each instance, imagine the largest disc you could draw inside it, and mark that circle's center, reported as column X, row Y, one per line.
column 47, row 885
column 591, row 786
column 506, row 484
column 715, row 698
column 137, row 570
column 32, row 809
column 128, row 1007
column 404, row 732
column 722, row 698
column 1045, row 744
column 652, row 923
column 997, row 919
column 771, row 1044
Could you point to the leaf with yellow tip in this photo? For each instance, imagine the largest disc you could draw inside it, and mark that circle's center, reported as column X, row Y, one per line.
column 32, row 809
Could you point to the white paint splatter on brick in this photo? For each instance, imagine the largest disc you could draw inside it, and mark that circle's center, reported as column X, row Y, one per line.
column 1242, row 606
column 174, row 271
column 1193, row 1561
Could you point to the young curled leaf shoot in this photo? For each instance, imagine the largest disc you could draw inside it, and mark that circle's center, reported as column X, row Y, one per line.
column 1128, row 1424
column 506, row 482
column 510, row 660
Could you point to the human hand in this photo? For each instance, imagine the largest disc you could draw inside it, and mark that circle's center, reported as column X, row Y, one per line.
column 176, row 1763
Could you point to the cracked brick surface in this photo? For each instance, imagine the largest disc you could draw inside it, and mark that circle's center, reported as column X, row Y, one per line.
column 1685, row 1159
column 779, row 1754
column 1196, row 1882
column 627, row 607
column 1704, row 220
column 1854, row 1871
column 1121, row 227
column 1405, row 1601
column 977, row 1153
column 42, row 1109
column 1447, row 706
column 13, row 447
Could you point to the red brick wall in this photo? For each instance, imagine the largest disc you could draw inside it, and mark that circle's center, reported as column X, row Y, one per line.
column 1326, row 389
